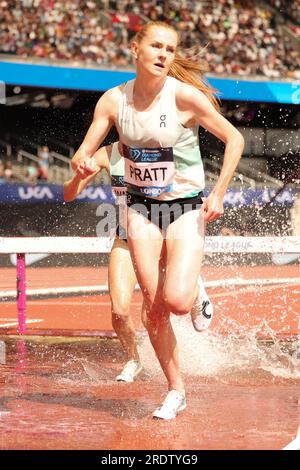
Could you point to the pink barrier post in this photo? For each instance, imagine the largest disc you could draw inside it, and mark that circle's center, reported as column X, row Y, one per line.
column 21, row 292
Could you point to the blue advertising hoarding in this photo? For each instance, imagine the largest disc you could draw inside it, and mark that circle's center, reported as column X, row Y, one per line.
column 46, row 193
column 259, row 89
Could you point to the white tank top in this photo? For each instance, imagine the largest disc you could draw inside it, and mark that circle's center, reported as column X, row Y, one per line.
column 162, row 157
column 119, row 189
column 116, row 170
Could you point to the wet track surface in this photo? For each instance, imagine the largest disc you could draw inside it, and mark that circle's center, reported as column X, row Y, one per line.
column 60, row 393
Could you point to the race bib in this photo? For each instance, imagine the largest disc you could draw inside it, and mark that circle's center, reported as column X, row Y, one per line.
column 149, row 171
column 118, row 185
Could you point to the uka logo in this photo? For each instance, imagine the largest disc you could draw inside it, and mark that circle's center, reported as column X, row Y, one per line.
column 36, row 192
column 93, row 193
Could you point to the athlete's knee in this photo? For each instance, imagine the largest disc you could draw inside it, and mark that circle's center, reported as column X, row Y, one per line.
column 120, row 309
column 179, row 308
column 178, row 297
column 178, row 301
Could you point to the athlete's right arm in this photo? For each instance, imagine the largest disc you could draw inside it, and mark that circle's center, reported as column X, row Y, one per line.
column 73, row 187
column 104, row 118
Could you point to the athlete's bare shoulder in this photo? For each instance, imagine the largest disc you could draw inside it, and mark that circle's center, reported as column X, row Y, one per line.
column 109, row 102
column 185, row 91
column 188, row 96
column 115, row 92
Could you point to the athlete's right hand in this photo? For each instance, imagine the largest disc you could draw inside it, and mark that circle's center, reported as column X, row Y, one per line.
column 86, row 167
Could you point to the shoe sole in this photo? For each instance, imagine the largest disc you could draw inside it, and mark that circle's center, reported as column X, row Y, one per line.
column 183, row 407
column 199, row 330
column 130, row 381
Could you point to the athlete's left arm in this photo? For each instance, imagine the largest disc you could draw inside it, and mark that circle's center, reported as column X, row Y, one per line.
column 204, row 114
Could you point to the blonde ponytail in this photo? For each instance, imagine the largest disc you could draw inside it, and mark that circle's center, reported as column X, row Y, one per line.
column 190, row 72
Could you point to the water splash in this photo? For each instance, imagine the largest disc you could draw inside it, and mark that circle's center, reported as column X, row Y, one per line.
column 97, row 373
column 212, row 354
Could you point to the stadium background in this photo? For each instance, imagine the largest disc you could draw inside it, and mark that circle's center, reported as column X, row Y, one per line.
column 52, row 76
column 58, row 389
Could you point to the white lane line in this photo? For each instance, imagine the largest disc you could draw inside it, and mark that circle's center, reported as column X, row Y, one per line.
column 57, row 290
column 85, row 303
column 15, row 323
column 237, row 281
column 251, row 289
column 104, row 288
column 61, row 302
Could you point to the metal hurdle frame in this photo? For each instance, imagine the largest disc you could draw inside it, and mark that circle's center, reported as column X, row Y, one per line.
column 29, row 245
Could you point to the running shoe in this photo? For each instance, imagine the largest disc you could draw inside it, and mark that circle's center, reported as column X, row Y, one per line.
column 202, row 310
column 173, row 403
column 130, row 371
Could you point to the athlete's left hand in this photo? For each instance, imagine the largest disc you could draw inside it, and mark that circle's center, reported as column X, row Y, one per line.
column 213, row 207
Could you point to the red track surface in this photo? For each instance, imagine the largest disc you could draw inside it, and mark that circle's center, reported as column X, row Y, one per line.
column 63, row 395
column 273, row 307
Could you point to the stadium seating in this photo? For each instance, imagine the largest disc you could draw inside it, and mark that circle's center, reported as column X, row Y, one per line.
column 241, row 37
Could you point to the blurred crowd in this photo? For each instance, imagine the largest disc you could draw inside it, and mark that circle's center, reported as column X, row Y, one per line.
column 6, row 171
column 289, row 8
column 35, row 171
column 232, row 36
